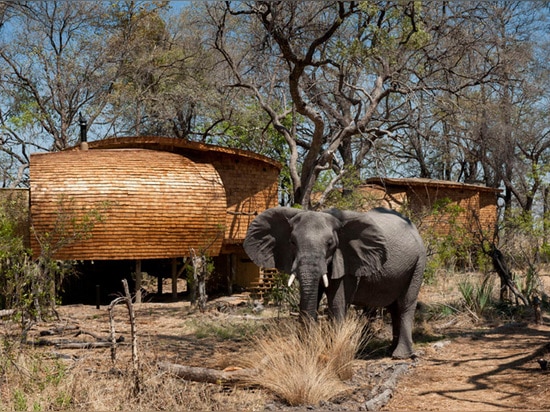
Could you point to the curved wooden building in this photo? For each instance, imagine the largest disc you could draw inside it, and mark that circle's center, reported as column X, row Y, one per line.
column 155, row 197
column 143, row 204
column 149, row 198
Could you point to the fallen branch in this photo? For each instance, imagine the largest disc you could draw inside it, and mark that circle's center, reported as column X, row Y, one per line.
column 93, row 335
column 83, row 345
column 384, row 391
column 6, row 312
column 77, row 344
column 58, row 355
column 197, row 374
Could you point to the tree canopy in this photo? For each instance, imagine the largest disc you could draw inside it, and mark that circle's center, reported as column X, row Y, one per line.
column 336, row 91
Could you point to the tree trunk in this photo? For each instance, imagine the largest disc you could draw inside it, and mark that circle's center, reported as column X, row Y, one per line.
column 200, row 274
column 197, row 374
column 504, row 273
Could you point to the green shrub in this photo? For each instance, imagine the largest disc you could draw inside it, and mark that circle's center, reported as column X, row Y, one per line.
column 477, row 296
column 283, row 296
column 30, row 284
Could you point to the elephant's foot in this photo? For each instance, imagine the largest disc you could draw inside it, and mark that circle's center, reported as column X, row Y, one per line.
column 412, row 356
column 403, row 352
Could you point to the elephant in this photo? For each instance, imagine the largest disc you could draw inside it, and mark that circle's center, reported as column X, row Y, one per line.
column 367, row 259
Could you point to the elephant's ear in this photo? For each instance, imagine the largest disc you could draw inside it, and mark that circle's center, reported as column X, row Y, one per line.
column 267, row 240
column 362, row 243
column 338, row 269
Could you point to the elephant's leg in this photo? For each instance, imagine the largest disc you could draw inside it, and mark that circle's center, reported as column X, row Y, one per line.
column 395, row 324
column 402, row 325
column 336, row 297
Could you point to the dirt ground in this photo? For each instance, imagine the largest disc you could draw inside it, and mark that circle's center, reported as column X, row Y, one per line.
column 487, row 369
column 462, row 365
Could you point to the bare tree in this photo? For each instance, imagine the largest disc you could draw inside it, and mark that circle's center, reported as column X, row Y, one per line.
column 52, row 68
column 164, row 82
column 59, row 59
column 338, row 76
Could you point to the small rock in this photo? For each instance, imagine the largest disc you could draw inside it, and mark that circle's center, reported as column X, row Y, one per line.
column 441, row 344
column 258, row 307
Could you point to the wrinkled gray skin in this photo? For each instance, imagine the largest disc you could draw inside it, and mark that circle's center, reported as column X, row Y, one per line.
column 373, row 259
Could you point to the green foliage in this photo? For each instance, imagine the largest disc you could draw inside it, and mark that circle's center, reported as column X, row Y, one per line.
column 440, row 311
column 282, row 296
column 230, row 330
column 41, row 376
column 28, row 285
column 19, row 400
column 392, row 31
column 525, row 236
column 530, row 284
column 477, row 296
column 456, row 247
column 524, row 240
column 345, row 194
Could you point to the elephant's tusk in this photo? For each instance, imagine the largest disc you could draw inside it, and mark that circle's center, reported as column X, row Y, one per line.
column 291, row 280
column 325, row 280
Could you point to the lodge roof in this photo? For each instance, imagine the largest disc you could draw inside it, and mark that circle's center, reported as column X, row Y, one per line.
column 416, row 182
column 174, row 145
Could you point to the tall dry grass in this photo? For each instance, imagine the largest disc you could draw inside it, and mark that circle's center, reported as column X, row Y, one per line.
column 306, row 364
column 33, row 380
column 301, row 364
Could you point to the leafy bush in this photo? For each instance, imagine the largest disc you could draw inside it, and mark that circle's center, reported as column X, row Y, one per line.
column 30, row 284
column 283, row 296
column 477, row 296
column 524, row 244
column 452, row 248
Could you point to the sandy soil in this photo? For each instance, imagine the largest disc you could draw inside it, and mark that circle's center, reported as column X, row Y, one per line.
column 486, row 369
column 461, row 365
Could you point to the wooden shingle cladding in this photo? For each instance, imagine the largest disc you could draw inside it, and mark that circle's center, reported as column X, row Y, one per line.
column 158, row 197
column 250, row 180
column 151, row 204
column 478, row 204
column 249, row 190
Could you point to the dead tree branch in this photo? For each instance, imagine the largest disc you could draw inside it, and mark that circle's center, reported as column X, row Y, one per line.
column 197, row 374
column 127, row 299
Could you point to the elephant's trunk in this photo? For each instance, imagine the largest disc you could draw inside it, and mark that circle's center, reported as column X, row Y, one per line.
column 309, row 294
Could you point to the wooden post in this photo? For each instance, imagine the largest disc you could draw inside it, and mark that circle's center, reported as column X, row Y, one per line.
column 97, row 296
column 232, row 272
column 174, row 279
column 538, row 311
column 127, row 298
column 159, row 285
column 138, row 281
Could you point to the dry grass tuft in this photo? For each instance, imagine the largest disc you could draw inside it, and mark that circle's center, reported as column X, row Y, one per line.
column 31, row 379
column 306, row 364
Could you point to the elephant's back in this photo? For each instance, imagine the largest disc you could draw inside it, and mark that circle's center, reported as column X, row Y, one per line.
column 405, row 258
column 402, row 238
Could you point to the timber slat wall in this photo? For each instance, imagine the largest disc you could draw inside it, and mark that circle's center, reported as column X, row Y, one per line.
column 250, row 190
column 153, row 204
column 478, row 203
column 250, row 180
